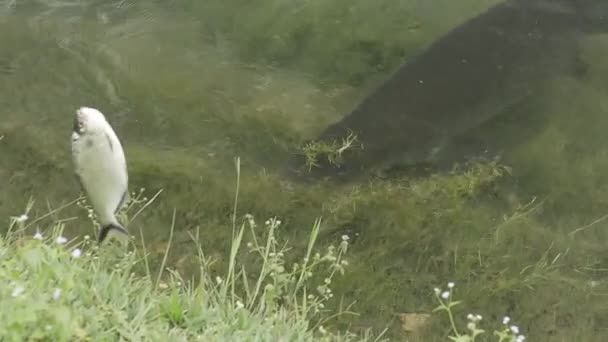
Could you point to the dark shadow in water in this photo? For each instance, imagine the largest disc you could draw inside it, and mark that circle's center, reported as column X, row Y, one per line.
column 478, row 73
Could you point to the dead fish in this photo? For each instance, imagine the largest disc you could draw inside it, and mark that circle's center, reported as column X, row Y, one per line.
column 101, row 168
column 476, row 72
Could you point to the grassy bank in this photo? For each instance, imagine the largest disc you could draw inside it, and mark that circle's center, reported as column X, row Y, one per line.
column 63, row 289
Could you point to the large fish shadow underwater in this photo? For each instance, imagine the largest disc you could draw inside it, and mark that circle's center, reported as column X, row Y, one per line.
column 477, row 74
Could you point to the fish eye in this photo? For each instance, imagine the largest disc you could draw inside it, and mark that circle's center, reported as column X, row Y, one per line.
column 77, row 126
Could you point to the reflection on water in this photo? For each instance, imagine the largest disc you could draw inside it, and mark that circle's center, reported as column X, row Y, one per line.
column 190, row 85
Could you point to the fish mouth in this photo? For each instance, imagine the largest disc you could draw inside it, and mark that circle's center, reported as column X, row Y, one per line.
column 78, row 124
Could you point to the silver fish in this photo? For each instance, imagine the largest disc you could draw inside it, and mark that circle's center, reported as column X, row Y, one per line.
column 101, row 168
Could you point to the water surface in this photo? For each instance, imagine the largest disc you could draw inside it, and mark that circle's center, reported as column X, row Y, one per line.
column 191, row 85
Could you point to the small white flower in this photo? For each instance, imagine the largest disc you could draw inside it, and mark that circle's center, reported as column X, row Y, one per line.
column 76, row 253
column 87, row 237
column 345, row 237
column 249, row 245
column 471, row 326
column 18, row 291
column 56, row 294
column 506, row 320
column 218, row 280
column 515, row 329
column 239, row 305
column 278, row 222
column 451, row 285
column 474, row 318
column 38, row 236
column 445, row 295
column 520, row 338
column 21, row 218
column 322, row 330
column 267, row 222
column 61, row 240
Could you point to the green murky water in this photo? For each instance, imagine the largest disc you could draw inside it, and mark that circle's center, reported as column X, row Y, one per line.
column 191, row 85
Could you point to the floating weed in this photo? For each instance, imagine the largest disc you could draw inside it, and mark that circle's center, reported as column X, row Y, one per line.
column 333, row 150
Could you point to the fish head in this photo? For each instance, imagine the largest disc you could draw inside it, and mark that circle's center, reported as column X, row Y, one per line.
column 88, row 120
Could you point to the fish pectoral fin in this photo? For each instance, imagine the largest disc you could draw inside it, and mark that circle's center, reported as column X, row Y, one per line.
column 123, row 201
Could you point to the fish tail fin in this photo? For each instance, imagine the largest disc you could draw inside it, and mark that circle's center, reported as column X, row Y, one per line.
column 105, row 230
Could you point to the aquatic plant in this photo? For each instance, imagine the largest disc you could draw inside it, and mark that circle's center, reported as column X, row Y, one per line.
column 331, row 150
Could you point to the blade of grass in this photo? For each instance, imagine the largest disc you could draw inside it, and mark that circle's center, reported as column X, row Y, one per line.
column 162, row 266
column 145, row 205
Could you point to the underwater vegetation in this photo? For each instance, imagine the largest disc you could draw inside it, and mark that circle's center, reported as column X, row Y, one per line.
column 188, row 90
column 478, row 72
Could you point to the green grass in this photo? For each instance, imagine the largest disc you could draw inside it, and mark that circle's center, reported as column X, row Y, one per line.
column 62, row 290
column 54, row 296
